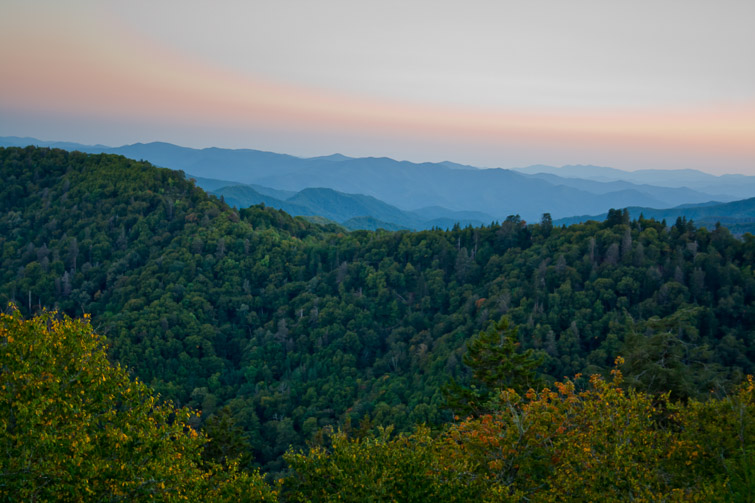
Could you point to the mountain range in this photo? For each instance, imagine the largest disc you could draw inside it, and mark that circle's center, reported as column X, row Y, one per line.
column 738, row 216
column 353, row 211
column 724, row 186
column 376, row 192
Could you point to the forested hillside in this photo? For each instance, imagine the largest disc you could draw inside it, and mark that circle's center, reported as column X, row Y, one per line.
column 284, row 327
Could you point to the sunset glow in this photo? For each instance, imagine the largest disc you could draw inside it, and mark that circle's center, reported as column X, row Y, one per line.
column 96, row 71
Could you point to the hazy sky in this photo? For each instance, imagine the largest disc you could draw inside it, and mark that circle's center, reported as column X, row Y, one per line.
column 640, row 84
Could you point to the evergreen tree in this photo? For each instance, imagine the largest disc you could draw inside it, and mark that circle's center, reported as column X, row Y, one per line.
column 497, row 363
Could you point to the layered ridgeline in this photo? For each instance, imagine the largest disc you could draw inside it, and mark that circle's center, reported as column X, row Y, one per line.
column 429, row 190
column 352, row 211
column 283, row 327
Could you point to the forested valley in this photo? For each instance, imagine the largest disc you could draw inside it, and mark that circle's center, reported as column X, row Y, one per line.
column 514, row 362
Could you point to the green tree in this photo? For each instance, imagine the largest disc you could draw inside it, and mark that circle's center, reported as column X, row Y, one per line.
column 666, row 355
column 379, row 468
column 225, row 440
column 497, row 363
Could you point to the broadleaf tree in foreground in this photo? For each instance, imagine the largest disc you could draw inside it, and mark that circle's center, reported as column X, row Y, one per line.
column 75, row 427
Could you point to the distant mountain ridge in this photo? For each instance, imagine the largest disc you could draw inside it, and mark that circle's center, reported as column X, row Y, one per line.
column 409, row 186
column 663, row 196
column 353, row 211
column 738, row 216
column 732, row 186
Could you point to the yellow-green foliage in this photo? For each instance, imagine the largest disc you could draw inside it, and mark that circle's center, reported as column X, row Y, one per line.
column 379, row 469
column 74, row 427
column 604, row 443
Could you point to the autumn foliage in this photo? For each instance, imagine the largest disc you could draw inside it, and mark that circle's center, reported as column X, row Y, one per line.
column 602, row 443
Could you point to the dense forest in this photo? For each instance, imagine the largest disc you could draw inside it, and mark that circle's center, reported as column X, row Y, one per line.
column 279, row 330
column 78, row 428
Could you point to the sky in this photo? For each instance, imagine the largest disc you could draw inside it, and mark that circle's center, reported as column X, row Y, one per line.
column 632, row 85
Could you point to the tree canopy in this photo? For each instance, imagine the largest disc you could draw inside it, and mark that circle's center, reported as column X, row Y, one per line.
column 280, row 328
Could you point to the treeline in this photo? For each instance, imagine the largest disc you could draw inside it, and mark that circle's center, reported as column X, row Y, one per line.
column 278, row 328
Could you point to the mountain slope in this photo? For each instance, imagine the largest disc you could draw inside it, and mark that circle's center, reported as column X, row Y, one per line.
column 244, row 196
column 355, row 211
column 287, row 327
column 341, row 207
